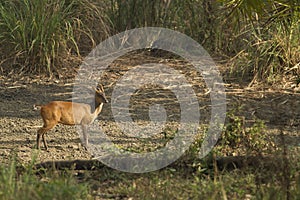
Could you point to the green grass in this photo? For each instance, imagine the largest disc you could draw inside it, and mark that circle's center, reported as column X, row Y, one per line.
column 26, row 183
column 189, row 183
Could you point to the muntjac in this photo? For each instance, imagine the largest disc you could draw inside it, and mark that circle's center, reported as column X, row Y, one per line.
column 69, row 113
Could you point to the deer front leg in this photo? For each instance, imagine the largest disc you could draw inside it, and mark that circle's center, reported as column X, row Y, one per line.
column 85, row 136
column 38, row 139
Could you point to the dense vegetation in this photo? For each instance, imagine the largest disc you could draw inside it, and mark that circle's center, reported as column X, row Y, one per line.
column 259, row 39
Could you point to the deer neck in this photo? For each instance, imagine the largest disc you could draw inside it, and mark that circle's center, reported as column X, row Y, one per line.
column 98, row 109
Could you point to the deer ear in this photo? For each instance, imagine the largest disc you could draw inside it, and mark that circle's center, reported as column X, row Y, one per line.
column 95, row 89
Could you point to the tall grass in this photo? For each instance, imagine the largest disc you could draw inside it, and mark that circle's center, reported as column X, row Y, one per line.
column 194, row 18
column 40, row 35
column 269, row 32
column 259, row 39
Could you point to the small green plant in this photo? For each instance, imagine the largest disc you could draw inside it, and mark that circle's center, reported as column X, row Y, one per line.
column 239, row 138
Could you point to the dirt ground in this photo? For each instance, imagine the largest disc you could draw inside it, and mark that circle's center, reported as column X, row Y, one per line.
column 279, row 108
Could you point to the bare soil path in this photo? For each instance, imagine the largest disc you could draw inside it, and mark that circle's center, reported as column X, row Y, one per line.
column 279, row 108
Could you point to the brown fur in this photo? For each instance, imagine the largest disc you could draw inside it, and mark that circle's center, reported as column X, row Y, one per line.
column 69, row 113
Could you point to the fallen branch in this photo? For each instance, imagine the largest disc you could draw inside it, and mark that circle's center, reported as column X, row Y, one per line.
column 73, row 164
column 227, row 163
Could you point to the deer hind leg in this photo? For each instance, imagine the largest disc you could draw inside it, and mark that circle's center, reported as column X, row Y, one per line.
column 41, row 132
column 44, row 141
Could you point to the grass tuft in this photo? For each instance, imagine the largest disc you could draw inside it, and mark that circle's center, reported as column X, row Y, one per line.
column 25, row 183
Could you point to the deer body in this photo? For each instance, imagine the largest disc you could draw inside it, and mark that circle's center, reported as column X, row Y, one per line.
column 69, row 113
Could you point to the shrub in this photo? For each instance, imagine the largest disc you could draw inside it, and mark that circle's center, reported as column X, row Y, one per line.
column 238, row 137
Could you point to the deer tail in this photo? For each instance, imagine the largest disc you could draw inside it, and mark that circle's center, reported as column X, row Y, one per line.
column 36, row 107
